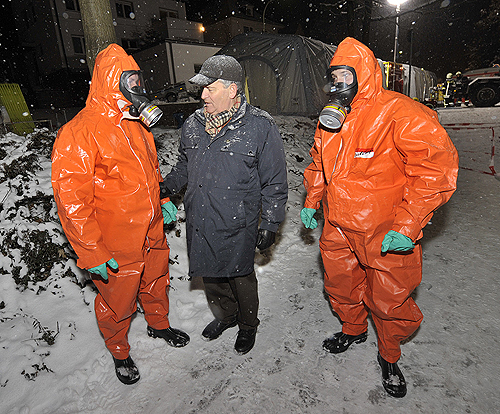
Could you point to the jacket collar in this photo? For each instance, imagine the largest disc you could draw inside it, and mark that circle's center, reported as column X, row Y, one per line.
column 240, row 113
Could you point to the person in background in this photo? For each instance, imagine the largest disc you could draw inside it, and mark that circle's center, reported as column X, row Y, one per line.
column 232, row 161
column 105, row 177
column 381, row 165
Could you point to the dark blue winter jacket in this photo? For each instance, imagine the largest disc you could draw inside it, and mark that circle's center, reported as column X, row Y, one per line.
column 232, row 180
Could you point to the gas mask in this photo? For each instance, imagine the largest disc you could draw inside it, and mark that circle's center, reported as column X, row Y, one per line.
column 133, row 88
column 342, row 87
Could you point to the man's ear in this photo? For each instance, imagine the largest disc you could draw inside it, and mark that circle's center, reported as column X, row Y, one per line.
column 233, row 91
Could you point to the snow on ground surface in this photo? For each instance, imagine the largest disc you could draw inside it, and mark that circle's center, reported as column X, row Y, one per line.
column 53, row 360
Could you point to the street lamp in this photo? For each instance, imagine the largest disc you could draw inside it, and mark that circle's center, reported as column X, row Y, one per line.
column 396, row 3
column 264, row 16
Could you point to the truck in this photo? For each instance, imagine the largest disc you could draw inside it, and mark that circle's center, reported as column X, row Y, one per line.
column 482, row 86
column 180, row 90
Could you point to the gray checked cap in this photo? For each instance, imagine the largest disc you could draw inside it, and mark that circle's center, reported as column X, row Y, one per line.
column 218, row 67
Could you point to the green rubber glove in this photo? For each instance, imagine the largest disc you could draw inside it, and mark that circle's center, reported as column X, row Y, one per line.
column 101, row 269
column 306, row 215
column 396, row 242
column 169, row 211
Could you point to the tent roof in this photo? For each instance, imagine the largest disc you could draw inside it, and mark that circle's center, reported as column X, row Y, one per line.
column 299, row 65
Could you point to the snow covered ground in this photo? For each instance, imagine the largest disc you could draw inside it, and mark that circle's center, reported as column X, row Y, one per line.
column 53, row 360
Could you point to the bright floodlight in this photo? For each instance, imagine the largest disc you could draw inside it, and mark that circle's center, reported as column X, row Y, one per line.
column 396, row 2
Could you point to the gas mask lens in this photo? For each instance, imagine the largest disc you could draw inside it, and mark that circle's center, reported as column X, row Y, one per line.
column 133, row 88
column 342, row 86
column 135, row 83
column 340, row 78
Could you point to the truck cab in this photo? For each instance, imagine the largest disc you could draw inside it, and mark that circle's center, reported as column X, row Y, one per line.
column 483, row 86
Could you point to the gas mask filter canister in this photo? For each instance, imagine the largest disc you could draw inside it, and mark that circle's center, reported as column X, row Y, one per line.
column 342, row 88
column 132, row 87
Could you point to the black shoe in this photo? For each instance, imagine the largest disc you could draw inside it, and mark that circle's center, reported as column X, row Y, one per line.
column 245, row 341
column 215, row 328
column 340, row 342
column 126, row 370
column 174, row 337
column 392, row 378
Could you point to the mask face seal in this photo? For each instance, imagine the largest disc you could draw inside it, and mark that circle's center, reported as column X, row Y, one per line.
column 341, row 88
column 133, row 88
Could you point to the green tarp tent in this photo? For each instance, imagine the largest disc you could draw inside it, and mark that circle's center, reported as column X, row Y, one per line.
column 285, row 74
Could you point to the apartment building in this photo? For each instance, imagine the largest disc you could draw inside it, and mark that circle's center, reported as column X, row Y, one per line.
column 51, row 35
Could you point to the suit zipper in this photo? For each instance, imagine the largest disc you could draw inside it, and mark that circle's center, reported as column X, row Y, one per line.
column 143, row 170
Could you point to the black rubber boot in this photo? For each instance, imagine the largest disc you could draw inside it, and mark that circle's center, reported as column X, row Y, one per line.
column 245, row 341
column 126, row 370
column 174, row 337
column 340, row 342
column 215, row 328
column 392, row 378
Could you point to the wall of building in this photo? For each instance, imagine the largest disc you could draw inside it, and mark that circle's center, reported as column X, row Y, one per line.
column 170, row 62
column 188, row 58
column 223, row 31
column 53, row 32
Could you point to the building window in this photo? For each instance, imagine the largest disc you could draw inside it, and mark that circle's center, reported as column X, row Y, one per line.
column 247, row 29
column 72, row 5
column 78, row 45
column 249, row 10
column 164, row 13
column 29, row 16
column 130, row 44
column 125, row 9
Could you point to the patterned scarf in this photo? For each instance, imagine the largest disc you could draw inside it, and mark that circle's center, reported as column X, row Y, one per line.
column 214, row 123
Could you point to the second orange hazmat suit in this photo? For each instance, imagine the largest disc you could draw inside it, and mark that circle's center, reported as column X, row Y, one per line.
column 388, row 168
column 105, row 176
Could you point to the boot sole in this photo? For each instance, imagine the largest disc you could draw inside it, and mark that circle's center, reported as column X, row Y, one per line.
column 127, row 381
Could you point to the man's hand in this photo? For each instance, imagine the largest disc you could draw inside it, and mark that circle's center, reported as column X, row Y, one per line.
column 397, row 242
column 169, row 212
column 306, row 215
column 265, row 238
column 102, row 271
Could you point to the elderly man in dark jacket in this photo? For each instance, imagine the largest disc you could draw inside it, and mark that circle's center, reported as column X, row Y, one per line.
column 231, row 158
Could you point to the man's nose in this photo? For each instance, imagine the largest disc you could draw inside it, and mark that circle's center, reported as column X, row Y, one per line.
column 204, row 94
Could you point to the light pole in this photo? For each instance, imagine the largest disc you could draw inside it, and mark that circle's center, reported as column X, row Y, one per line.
column 396, row 3
column 264, row 16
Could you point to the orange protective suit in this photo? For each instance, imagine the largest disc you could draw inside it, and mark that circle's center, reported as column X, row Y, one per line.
column 388, row 167
column 105, row 176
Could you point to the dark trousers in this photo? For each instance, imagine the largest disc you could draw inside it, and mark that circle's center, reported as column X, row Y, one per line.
column 234, row 299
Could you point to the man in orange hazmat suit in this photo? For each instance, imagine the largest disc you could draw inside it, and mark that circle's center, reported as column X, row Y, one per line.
column 381, row 164
column 105, row 176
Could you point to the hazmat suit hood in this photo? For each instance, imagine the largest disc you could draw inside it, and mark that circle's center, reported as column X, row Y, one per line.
column 353, row 53
column 105, row 95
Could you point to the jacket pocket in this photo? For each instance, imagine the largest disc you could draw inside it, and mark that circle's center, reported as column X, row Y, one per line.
column 240, row 148
column 228, row 208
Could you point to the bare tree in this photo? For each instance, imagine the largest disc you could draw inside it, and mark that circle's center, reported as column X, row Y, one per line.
column 98, row 28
